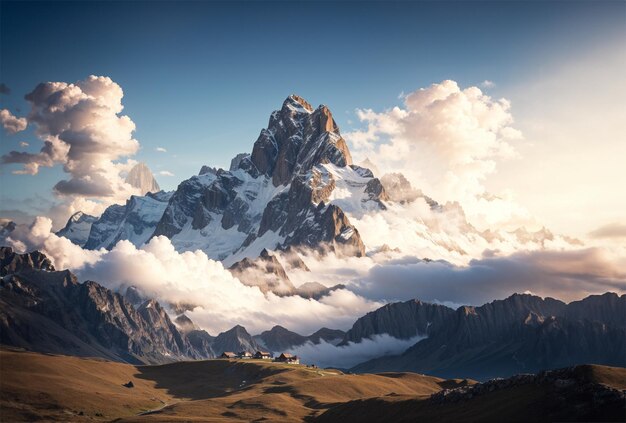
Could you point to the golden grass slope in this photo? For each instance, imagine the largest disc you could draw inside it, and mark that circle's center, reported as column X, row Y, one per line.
column 37, row 386
column 40, row 387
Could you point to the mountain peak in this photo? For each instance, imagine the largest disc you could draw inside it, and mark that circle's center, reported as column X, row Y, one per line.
column 297, row 139
column 140, row 176
column 297, row 103
column 77, row 228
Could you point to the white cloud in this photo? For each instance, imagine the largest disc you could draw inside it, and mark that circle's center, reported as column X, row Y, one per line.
column 82, row 129
column 487, row 84
column 166, row 173
column 446, row 140
column 11, row 123
column 38, row 236
column 24, row 144
column 161, row 150
column 329, row 355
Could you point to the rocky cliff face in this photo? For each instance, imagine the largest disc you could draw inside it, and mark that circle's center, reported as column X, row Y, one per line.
column 77, row 228
column 401, row 320
column 141, row 177
column 12, row 262
column 522, row 333
column 608, row 309
column 50, row 311
column 135, row 221
column 278, row 196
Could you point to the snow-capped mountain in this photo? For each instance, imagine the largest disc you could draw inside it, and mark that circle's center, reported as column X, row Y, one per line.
column 141, row 177
column 299, row 188
column 288, row 192
column 77, row 228
column 135, row 221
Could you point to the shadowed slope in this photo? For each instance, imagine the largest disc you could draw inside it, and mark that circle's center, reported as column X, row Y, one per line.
column 582, row 393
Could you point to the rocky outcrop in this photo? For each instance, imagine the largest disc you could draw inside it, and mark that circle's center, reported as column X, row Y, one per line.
column 135, row 221
column 571, row 385
column 208, row 169
column 141, row 177
column 12, row 262
column 265, row 272
column 523, row 333
column 236, row 161
column 78, row 228
column 316, row 290
column 400, row 190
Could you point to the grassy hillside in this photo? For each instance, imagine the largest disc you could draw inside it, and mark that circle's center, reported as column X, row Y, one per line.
column 38, row 386
column 542, row 402
column 60, row 388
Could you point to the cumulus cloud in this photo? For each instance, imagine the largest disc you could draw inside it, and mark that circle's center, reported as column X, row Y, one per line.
column 82, row 130
column 567, row 275
column 161, row 150
column 612, row 230
column 217, row 300
column 328, row 355
column 24, row 144
column 11, row 123
column 447, row 140
column 166, row 173
column 38, row 236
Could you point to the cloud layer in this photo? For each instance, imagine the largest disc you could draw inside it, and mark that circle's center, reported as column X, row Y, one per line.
column 218, row 300
column 566, row 275
column 329, row 355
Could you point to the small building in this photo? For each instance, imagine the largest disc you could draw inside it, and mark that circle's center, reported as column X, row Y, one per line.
column 228, row 354
column 245, row 354
column 288, row 358
column 262, row 355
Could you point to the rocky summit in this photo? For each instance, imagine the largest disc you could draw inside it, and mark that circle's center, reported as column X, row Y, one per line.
column 140, row 176
column 281, row 194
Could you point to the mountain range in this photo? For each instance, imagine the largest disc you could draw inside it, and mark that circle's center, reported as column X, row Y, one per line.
column 46, row 310
column 520, row 334
column 297, row 189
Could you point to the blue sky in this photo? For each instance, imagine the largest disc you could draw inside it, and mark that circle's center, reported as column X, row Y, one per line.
column 201, row 78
